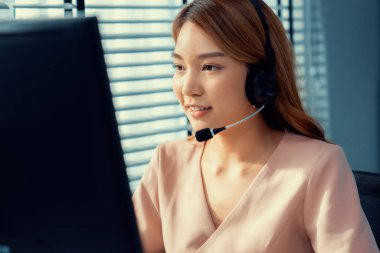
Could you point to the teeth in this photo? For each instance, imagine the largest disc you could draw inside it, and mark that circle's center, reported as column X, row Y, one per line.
column 198, row 108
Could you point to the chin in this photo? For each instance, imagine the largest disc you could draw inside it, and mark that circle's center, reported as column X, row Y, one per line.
column 197, row 126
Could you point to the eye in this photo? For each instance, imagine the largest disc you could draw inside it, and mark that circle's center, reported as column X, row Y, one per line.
column 208, row 67
column 177, row 67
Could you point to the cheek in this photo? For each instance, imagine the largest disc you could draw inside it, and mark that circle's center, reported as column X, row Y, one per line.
column 177, row 89
column 231, row 93
column 231, row 86
column 237, row 79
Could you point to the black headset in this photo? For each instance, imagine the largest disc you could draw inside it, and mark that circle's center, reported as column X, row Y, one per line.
column 261, row 78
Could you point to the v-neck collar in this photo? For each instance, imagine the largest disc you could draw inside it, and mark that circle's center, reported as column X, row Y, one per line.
column 234, row 211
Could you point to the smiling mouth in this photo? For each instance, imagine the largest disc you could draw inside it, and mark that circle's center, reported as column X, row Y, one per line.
column 197, row 109
column 198, row 112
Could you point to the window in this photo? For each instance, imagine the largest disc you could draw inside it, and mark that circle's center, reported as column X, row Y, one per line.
column 137, row 42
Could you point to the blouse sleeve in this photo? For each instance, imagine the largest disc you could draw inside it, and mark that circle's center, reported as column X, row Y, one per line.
column 146, row 204
column 334, row 219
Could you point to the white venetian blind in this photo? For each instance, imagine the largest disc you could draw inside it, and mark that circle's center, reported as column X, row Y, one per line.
column 304, row 24
column 138, row 45
column 136, row 37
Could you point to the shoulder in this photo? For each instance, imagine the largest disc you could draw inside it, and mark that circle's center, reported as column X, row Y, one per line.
column 173, row 164
column 310, row 155
column 179, row 149
column 309, row 149
column 316, row 163
column 174, row 157
column 171, row 160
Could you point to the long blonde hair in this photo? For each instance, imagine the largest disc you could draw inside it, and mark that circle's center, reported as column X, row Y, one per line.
column 236, row 28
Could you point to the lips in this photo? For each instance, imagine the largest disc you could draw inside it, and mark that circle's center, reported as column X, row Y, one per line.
column 198, row 108
column 198, row 111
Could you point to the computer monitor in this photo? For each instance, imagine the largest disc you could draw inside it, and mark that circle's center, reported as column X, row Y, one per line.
column 63, row 181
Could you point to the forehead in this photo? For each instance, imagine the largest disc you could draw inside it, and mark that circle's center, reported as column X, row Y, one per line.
column 194, row 40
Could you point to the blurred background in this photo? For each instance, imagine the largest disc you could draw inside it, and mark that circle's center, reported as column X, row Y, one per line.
column 337, row 48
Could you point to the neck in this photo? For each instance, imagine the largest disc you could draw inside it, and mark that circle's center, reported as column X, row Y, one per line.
column 252, row 141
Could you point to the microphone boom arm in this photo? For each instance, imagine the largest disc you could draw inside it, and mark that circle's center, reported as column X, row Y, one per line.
column 207, row 133
column 246, row 118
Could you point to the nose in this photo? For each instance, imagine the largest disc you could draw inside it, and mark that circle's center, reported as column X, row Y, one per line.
column 191, row 84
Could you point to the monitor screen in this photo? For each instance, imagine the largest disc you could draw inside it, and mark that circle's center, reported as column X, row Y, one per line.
column 63, row 181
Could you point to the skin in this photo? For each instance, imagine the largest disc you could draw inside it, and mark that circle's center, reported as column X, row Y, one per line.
column 205, row 77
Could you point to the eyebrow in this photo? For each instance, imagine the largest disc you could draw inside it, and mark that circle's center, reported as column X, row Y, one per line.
column 202, row 56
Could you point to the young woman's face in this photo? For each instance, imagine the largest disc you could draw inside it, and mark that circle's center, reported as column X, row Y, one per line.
column 209, row 84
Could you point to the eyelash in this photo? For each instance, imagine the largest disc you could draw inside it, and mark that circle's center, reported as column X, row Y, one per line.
column 212, row 66
column 205, row 67
column 176, row 67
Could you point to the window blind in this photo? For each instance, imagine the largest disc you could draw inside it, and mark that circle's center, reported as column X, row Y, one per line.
column 304, row 24
column 316, row 73
column 137, row 43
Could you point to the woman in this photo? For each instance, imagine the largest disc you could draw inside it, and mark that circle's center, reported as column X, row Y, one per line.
column 271, row 183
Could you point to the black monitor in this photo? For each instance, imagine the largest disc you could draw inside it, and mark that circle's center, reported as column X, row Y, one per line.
column 63, row 181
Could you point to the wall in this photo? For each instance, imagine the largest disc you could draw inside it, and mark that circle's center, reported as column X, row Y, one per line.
column 353, row 52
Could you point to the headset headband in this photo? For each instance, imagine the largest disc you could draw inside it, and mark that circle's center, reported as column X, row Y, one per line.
column 268, row 46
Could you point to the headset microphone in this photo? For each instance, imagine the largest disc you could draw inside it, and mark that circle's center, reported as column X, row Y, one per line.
column 207, row 133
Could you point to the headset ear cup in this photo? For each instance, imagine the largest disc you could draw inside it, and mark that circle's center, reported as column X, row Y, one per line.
column 260, row 87
column 254, row 70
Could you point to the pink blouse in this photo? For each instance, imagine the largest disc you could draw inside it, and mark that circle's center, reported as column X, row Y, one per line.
column 303, row 200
